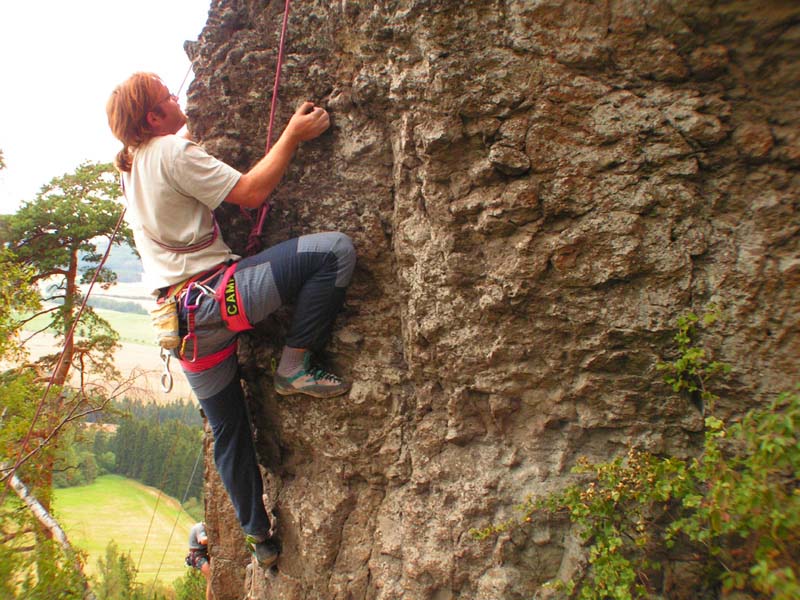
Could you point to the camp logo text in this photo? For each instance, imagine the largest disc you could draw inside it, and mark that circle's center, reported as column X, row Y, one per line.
column 231, row 306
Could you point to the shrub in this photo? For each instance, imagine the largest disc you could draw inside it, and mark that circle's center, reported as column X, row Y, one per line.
column 191, row 586
column 734, row 510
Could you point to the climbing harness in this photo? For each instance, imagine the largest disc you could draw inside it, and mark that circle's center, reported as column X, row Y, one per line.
column 167, row 322
column 194, row 555
column 201, row 245
column 188, row 292
column 254, row 242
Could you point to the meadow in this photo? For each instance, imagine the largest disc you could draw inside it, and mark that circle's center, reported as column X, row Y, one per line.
column 132, row 328
column 137, row 355
column 120, row 509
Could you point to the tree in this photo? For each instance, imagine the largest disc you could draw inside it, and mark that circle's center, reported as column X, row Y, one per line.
column 54, row 239
column 36, row 556
column 191, row 586
column 17, row 296
column 117, row 576
column 56, row 236
column 42, row 245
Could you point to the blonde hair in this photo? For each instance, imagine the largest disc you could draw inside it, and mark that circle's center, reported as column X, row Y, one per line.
column 127, row 110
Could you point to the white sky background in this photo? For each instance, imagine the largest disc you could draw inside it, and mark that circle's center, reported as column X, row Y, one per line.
column 59, row 62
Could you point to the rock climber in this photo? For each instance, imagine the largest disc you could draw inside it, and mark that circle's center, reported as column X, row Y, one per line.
column 171, row 186
column 198, row 554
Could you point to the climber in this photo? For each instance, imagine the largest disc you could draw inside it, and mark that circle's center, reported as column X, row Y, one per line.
column 171, row 186
column 198, row 554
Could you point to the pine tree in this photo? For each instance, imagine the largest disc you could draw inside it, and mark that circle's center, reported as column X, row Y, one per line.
column 56, row 238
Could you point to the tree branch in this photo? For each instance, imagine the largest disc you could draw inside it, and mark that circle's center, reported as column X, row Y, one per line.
column 72, row 415
column 10, row 536
column 38, row 314
column 51, row 525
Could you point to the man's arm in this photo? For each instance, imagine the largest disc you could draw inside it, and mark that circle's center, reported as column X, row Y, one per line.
column 253, row 187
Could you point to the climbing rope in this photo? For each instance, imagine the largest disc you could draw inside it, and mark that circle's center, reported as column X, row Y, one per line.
column 158, row 499
column 254, row 242
column 177, row 517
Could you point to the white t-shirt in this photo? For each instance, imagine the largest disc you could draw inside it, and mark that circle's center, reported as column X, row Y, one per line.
column 171, row 190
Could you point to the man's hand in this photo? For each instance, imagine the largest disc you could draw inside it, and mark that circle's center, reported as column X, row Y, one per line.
column 308, row 122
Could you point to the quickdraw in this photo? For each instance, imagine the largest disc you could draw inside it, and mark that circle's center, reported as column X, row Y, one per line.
column 181, row 291
column 191, row 308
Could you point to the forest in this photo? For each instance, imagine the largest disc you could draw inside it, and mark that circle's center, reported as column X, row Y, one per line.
column 157, row 445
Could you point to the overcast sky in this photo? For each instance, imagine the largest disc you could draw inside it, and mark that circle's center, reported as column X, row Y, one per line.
column 59, row 62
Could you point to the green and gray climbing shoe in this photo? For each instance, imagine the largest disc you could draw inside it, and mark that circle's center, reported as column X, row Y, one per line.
column 266, row 551
column 311, row 381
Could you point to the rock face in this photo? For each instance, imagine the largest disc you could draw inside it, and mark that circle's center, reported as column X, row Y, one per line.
column 537, row 189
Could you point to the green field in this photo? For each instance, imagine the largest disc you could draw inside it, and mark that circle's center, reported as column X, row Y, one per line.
column 120, row 509
column 131, row 327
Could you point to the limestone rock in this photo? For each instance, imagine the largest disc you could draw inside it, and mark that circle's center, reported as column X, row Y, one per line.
column 536, row 190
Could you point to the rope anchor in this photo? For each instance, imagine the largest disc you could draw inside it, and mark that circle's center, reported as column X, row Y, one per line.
column 166, row 376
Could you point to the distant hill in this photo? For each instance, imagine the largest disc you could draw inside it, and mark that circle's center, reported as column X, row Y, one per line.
column 124, row 262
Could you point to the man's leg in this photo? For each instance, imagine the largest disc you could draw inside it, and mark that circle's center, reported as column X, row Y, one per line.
column 312, row 272
column 205, row 569
column 235, row 457
column 237, row 465
column 220, row 394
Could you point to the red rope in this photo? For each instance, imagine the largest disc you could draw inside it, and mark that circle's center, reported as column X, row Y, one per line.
column 254, row 240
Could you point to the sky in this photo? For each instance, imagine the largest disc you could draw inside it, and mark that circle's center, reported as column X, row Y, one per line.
column 59, row 62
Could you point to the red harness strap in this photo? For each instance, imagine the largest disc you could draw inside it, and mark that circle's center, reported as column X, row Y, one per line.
column 201, row 245
column 233, row 315
column 206, row 362
column 230, row 302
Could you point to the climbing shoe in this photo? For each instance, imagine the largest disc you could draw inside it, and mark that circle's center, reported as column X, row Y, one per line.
column 311, row 381
column 266, row 552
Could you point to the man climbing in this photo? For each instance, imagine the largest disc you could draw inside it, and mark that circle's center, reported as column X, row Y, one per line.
column 171, row 187
column 198, row 554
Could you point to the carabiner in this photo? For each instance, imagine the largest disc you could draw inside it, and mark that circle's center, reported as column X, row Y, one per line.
column 186, row 338
column 205, row 290
column 190, row 319
column 166, row 376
